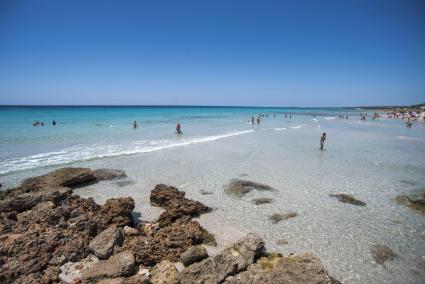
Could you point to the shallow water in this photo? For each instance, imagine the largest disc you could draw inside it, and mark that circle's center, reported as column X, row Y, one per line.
column 373, row 160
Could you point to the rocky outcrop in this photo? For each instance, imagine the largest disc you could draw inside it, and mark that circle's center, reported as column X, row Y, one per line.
column 175, row 203
column 275, row 269
column 349, row 199
column 229, row 262
column 417, row 204
column 239, row 188
column 193, row 254
column 104, row 243
column 121, row 264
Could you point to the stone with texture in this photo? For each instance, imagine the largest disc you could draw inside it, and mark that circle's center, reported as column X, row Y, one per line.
column 164, row 273
column 349, row 199
column 193, row 254
column 239, row 188
column 103, row 244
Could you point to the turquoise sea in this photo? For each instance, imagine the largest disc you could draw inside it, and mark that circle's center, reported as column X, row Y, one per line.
column 373, row 160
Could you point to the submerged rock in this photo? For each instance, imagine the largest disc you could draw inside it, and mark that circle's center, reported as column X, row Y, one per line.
column 70, row 177
column 239, row 188
column 259, row 201
column 276, row 218
column 230, row 261
column 275, row 269
column 346, row 198
column 415, row 204
column 122, row 264
column 193, row 254
column 108, row 174
column 382, row 253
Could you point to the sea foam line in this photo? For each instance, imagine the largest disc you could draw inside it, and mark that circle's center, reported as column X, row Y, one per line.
column 98, row 151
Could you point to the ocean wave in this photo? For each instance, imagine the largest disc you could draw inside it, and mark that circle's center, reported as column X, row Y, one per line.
column 98, row 151
column 329, row 118
column 278, row 129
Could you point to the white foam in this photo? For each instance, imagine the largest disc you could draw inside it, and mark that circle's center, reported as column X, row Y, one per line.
column 315, row 120
column 329, row 118
column 298, row 126
column 96, row 151
column 278, row 129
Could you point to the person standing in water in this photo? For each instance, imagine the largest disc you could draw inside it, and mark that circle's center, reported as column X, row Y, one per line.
column 252, row 120
column 54, row 122
column 134, row 124
column 322, row 140
column 178, row 128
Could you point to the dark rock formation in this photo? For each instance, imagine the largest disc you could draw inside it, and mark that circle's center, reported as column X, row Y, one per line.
column 175, row 203
column 259, row 201
column 346, row 198
column 239, row 188
column 193, row 254
column 108, row 174
column 415, row 204
column 382, row 253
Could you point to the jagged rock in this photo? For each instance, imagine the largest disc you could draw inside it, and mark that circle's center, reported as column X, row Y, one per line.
column 175, row 204
column 103, row 244
column 228, row 262
column 164, row 273
column 121, row 264
column 382, row 253
column 346, row 198
column 276, row 218
column 119, row 209
column 239, row 188
column 193, row 254
column 259, row 201
column 167, row 243
column 71, row 272
column 108, row 174
column 275, row 269
column 129, row 231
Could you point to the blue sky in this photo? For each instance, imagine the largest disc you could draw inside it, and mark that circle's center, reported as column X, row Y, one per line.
column 257, row 53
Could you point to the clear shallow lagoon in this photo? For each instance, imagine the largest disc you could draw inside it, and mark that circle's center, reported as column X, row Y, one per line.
column 372, row 160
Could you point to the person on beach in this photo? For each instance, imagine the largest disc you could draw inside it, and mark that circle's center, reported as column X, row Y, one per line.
column 134, row 124
column 54, row 122
column 258, row 120
column 322, row 140
column 178, row 128
column 252, row 120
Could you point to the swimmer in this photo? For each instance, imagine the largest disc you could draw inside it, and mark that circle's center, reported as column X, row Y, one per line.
column 134, row 124
column 54, row 122
column 322, row 140
column 178, row 129
column 252, row 120
column 258, row 120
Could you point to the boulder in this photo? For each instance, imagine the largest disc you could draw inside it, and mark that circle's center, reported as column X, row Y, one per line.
column 239, row 188
column 349, row 199
column 108, row 174
column 228, row 262
column 164, row 273
column 275, row 269
column 119, row 211
column 103, row 244
column 193, row 254
column 119, row 265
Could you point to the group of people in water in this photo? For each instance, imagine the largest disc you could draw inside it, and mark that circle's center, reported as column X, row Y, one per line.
column 411, row 116
column 178, row 127
column 41, row 123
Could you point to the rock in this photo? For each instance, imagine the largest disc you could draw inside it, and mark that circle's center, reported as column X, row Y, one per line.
column 346, row 198
column 167, row 243
column 259, row 201
column 164, row 273
column 275, row 269
column 108, row 174
column 193, row 254
column 239, row 188
column 276, row 218
column 71, row 272
column 137, row 279
column 129, row 231
column 119, row 210
column 228, row 262
column 70, row 177
column 119, row 265
column 382, row 253
column 103, row 244
column 415, row 204
column 175, row 204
